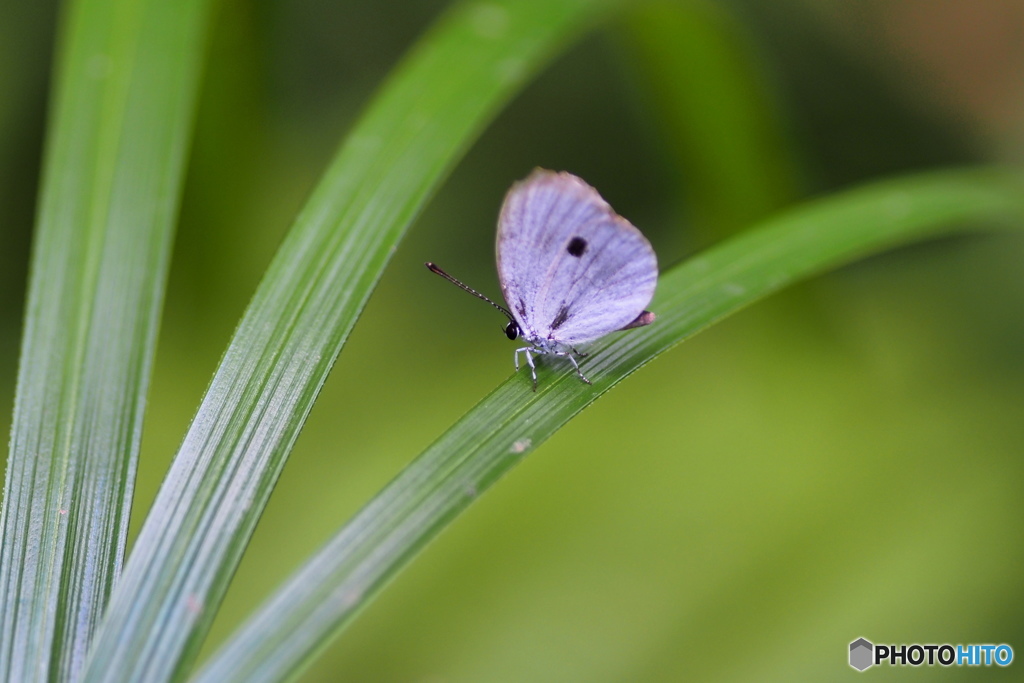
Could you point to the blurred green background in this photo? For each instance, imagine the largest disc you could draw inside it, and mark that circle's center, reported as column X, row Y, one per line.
column 842, row 460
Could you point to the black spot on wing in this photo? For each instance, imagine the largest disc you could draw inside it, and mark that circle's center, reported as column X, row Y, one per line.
column 577, row 246
column 560, row 318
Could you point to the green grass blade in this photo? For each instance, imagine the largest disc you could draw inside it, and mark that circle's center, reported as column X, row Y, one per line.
column 719, row 122
column 426, row 115
column 495, row 435
column 118, row 134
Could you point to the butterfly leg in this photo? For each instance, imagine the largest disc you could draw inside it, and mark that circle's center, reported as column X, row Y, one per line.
column 577, row 366
column 526, row 351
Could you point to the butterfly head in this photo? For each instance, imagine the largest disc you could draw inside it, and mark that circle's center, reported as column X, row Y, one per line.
column 512, row 330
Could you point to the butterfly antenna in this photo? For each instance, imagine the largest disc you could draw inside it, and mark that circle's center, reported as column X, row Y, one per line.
column 435, row 269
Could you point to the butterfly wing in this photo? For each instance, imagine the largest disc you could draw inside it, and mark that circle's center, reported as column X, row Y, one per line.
column 571, row 269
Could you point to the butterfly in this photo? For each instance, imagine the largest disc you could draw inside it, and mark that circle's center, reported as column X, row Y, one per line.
column 571, row 269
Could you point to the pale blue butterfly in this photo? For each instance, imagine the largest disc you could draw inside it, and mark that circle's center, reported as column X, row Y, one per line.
column 571, row 269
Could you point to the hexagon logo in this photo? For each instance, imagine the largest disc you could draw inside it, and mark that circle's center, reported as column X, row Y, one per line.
column 861, row 651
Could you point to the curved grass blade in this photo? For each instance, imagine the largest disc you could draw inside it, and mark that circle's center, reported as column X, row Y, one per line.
column 323, row 596
column 300, row 316
column 116, row 147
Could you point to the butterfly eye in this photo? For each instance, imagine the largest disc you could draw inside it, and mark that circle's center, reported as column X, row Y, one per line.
column 512, row 330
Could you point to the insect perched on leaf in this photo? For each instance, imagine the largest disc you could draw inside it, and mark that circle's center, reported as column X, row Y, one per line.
column 571, row 269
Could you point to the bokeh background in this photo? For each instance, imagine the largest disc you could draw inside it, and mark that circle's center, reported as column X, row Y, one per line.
column 842, row 460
